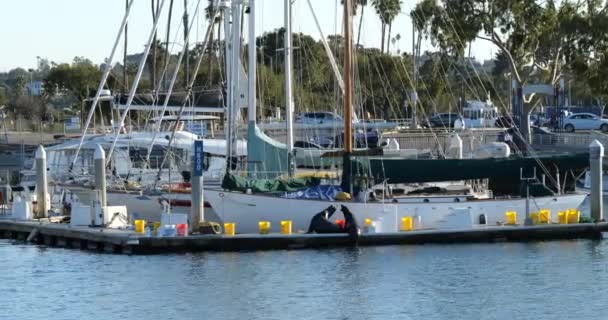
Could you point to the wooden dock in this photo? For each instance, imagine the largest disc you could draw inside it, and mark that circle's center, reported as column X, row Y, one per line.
column 129, row 242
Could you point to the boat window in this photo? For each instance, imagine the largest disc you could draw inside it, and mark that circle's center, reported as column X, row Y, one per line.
column 138, row 157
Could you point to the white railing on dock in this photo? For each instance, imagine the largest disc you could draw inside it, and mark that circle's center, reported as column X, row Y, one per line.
column 578, row 140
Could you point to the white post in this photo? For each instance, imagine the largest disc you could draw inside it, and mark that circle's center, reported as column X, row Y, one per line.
column 197, row 210
column 596, row 153
column 251, row 109
column 456, row 146
column 41, row 183
column 100, row 175
column 288, row 86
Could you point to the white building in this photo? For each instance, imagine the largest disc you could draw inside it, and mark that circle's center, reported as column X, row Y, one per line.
column 34, row 88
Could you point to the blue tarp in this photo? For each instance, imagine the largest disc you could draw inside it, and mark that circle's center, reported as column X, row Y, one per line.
column 322, row 192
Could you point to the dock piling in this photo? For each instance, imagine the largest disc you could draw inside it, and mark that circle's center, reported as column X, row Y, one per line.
column 41, row 184
column 100, row 174
column 596, row 153
column 197, row 214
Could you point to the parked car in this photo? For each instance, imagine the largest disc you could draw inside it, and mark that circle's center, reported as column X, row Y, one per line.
column 585, row 121
column 362, row 139
column 442, row 120
column 317, row 117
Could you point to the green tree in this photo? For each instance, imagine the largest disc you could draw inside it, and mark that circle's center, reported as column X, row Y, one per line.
column 19, row 87
column 211, row 11
column 535, row 38
column 3, row 97
column 80, row 78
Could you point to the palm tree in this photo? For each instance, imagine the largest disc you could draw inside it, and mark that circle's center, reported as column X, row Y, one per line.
column 357, row 3
column 361, row 3
column 387, row 10
column 394, row 8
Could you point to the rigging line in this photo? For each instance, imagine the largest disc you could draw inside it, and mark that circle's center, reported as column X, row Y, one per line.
column 473, row 67
column 465, row 80
column 158, row 85
column 103, row 80
column 170, row 91
column 517, row 130
column 433, row 133
column 462, row 44
column 189, row 91
column 135, row 84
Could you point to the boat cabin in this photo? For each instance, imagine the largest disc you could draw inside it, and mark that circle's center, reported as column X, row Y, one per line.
column 478, row 114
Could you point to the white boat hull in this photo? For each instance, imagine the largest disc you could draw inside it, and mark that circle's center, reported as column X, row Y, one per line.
column 247, row 210
column 147, row 207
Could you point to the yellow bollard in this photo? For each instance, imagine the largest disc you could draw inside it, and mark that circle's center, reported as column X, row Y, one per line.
column 264, row 227
column 140, row 226
column 286, row 227
column 573, row 216
column 544, row 216
column 562, row 217
column 511, row 217
column 535, row 217
column 407, row 224
column 229, row 228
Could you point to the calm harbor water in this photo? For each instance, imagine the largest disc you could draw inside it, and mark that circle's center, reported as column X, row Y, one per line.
column 544, row 280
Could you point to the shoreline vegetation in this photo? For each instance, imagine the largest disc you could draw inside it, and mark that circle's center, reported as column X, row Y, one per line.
column 536, row 43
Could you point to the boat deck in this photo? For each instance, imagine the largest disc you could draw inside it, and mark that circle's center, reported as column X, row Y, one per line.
column 129, row 242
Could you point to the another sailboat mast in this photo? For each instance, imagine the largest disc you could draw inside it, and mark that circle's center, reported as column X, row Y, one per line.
column 348, row 97
column 288, row 86
column 251, row 66
column 235, row 70
column 348, row 81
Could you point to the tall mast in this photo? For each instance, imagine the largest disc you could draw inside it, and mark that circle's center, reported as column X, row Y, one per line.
column 251, row 68
column 124, row 58
column 187, row 62
column 226, row 9
column 348, row 96
column 414, row 96
column 287, row 39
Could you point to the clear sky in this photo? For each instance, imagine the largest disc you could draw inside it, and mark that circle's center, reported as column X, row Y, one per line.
column 59, row 30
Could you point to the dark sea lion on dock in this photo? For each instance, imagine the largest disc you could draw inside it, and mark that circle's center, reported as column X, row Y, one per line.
column 351, row 226
column 320, row 222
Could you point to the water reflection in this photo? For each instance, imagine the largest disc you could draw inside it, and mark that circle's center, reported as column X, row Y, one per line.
column 543, row 280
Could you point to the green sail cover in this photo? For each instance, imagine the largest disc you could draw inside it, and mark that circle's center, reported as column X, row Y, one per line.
column 237, row 183
column 266, row 157
column 503, row 173
column 409, row 170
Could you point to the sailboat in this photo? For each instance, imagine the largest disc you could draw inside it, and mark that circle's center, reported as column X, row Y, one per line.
column 246, row 204
column 139, row 165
